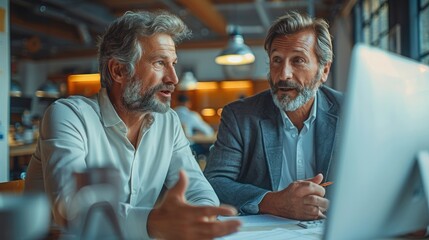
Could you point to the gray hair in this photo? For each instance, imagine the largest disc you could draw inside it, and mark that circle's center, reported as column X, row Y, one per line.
column 293, row 22
column 121, row 40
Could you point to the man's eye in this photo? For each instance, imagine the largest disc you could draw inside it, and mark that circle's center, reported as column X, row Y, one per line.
column 299, row 60
column 276, row 59
column 159, row 64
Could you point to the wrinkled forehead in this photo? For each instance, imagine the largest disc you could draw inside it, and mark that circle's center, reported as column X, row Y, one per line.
column 300, row 41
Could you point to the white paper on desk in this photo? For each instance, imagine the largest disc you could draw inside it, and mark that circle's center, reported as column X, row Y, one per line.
column 260, row 220
column 314, row 231
column 274, row 234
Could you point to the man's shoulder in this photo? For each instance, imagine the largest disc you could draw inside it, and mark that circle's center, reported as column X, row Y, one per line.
column 331, row 99
column 257, row 101
column 332, row 94
column 76, row 100
column 78, row 104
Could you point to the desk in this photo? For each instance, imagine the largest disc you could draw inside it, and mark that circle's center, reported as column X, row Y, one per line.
column 22, row 150
column 272, row 227
column 56, row 233
column 19, row 157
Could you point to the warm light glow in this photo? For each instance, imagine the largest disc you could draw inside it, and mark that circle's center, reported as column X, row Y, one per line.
column 40, row 93
column 235, row 84
column 219, row 111
column 207, row 86
column 83, row 84
column 208, row 112
column 235, row 59
column 84, row 77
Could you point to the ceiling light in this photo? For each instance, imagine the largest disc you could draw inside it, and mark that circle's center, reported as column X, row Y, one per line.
column 187, row 81
column 236, row 52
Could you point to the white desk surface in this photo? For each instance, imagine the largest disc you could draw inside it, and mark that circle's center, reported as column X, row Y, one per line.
column 273, row 228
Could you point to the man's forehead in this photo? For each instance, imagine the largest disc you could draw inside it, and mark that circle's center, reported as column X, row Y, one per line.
column 160, row 39
column 303, row 40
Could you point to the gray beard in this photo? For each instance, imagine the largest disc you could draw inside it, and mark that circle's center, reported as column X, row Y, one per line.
column 288, row 104
column 134, row 101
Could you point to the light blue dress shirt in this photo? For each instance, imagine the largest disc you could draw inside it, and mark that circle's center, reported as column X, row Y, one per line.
column 298, row 155
column 298, row 150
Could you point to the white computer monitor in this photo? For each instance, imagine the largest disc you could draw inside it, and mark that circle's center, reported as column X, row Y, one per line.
column 377, row 190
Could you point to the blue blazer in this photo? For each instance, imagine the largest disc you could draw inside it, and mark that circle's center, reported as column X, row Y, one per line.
column 245, row 161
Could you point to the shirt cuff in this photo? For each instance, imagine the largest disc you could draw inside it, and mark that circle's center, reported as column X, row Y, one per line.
column 252, row 207
column 134, row 222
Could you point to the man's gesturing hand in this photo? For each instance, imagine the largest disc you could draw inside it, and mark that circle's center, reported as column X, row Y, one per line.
column 173, row 218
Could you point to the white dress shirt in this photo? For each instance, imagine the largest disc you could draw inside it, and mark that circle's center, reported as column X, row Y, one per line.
column 77, row 133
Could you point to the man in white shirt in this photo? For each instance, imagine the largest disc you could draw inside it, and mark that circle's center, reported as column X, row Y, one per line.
column 130, row 126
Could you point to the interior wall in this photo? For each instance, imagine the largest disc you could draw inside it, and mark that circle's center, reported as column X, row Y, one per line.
column 342, row 31
column 4, row 90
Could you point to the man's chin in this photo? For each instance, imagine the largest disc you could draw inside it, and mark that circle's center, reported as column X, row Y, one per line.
column 283, row 97
column 162, row 107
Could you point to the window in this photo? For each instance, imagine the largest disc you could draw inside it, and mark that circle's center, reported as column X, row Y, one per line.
column 424, row 31
column 395, row 25
column 375, row 23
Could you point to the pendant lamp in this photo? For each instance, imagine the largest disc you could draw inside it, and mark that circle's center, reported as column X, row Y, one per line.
column 236, row 52
column 187, row 81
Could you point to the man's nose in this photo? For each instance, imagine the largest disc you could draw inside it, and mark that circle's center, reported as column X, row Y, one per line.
column 171, row 76
column 287, row 72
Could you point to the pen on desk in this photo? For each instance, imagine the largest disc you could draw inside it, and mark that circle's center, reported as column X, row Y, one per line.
column 325, row 184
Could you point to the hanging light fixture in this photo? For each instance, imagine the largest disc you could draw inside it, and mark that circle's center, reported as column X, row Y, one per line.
column 187, row 81
column 236, row 52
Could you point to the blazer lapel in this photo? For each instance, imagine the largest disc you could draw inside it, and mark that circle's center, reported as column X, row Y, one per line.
column 326, row 124
column 271, row 128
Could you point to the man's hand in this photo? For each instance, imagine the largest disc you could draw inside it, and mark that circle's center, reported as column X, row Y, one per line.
column 302, row 200
column 173, row 218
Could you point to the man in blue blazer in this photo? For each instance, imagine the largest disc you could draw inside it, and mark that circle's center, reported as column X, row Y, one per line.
column 274, row 149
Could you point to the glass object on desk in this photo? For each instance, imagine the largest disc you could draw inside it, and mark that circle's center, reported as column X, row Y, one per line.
column 24, row 216
column 93, row 210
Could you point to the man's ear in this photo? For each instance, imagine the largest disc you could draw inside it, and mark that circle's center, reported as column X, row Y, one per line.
column 116, row 70
column 325, row 72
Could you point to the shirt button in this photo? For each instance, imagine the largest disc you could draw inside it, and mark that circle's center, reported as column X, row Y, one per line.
column 294, row 135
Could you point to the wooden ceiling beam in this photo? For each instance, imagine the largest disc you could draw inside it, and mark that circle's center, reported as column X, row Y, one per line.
column 208, row 14
column 62, row 32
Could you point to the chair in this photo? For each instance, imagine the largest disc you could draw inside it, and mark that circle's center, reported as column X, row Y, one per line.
column 15, row 186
